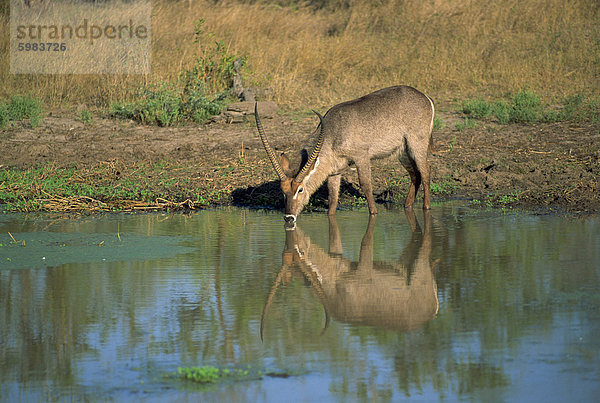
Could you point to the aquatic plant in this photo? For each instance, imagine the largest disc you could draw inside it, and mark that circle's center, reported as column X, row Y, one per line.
column 209, row 374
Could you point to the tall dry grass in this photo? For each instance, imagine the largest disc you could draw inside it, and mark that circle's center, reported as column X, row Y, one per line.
column 308, row 57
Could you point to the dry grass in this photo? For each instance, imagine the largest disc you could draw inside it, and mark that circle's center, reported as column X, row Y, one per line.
column 308, row 58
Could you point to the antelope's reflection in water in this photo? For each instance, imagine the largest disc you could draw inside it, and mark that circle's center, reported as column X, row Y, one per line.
column 400, row 295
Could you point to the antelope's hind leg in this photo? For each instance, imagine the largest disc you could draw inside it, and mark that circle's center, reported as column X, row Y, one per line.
column 425, row 170
column 415, row 179
column 418, row 169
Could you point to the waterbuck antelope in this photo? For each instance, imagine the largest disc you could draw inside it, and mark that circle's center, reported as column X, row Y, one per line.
column 395, row 120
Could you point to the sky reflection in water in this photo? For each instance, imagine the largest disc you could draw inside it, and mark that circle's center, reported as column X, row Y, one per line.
column 462, row 304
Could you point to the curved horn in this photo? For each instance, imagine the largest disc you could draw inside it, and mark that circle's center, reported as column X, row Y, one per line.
column 269, row 301
column 326, row 321
column 310, row 275
column 268, row 149
column 315, row 153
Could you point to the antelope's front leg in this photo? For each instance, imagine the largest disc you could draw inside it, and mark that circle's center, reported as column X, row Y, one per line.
column 333, row 187
column 364, row 178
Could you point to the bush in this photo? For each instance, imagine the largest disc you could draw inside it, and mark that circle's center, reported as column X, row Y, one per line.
column 501, row 111
column 477, row 108
column 215, row 66
column 577, row 108
column 481, row 109
column 526, row 108
column 197, row 104
column 157, row 104
column 199, row 93
column 199, row 108
column 160, row 105
column 165, row 105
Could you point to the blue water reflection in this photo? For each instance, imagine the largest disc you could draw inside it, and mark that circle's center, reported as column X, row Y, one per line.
column 460, row 304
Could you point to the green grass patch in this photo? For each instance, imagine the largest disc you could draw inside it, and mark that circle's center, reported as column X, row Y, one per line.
column 352, row 201
column 438, row 123
column 85, row 117
column 109, row 186
column 398, row 186
column 466, row 124
column 501, row 110
column 115, row 185
column 4, row 117
column 498, row 200
column 527, row 107
column 445, row 187
column 20, row 107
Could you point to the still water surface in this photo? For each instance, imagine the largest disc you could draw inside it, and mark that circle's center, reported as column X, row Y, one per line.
column 459, row 304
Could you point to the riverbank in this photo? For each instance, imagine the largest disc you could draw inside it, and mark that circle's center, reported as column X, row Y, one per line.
column 110, row 164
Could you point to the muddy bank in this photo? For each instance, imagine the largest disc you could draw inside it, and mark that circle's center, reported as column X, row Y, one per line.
column 555, row 165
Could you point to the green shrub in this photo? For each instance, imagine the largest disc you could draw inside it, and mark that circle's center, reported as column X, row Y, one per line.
column 197, row 104
column 215, row 66
column 476, row 108
column 526, row 107
column 200, row 92
column 160, row 105
column 578, row 108
column 165, row 105
column 200, row 108
column 155, row 105
column 501, row 111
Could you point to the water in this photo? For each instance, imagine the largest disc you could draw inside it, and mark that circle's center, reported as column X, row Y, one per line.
column 460, row 304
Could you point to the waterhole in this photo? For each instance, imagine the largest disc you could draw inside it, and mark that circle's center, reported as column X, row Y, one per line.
column 456, row 304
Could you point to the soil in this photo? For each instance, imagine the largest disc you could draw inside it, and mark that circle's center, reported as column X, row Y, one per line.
column 552, row 166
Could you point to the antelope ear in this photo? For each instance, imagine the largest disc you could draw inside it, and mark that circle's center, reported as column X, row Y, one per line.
column 284, row 162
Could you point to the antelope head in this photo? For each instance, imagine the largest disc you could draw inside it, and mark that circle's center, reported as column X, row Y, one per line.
column 293, row 184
